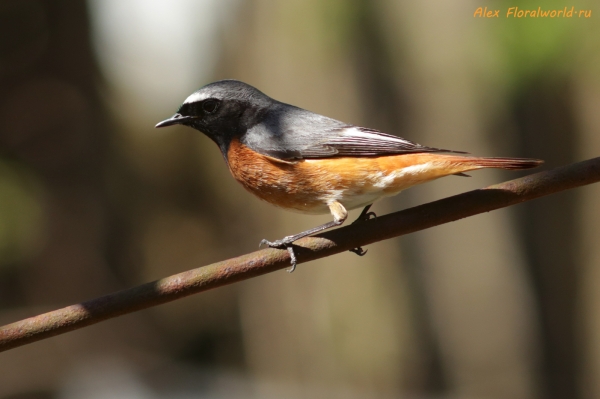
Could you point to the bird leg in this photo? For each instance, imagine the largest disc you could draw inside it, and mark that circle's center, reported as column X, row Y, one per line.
column 339, row 216
column 363, row 217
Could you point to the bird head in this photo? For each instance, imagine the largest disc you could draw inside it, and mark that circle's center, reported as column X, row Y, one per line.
column 221, row 110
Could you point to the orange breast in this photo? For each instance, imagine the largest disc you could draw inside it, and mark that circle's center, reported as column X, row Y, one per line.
column 284, row 184
column 309, row 185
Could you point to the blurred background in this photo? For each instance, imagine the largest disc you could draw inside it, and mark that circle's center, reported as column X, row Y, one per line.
column 93, row 199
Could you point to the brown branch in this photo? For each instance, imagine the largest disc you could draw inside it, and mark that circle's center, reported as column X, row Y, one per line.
column 307, row 249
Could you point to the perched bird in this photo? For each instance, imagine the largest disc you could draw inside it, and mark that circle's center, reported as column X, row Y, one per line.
column 306, row 162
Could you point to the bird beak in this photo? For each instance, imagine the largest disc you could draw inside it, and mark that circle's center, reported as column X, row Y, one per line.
column 176, row 119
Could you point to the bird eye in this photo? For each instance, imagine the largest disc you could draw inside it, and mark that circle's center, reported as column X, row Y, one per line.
column 210, row 106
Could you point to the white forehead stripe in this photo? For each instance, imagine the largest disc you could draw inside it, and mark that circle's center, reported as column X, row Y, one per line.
column 194, row 98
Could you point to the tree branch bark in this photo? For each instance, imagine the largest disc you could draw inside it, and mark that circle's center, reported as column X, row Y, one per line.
column 310, row 248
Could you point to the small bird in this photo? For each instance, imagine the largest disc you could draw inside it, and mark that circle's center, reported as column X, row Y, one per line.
column 309, row 163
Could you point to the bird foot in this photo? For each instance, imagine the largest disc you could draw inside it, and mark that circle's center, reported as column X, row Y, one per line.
column 363, row 217
column 281, row 244
column 284, row 243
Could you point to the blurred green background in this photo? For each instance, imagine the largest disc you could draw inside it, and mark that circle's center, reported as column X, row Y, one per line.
column 93, row 199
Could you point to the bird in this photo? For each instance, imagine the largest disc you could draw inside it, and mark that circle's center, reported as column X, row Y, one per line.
column 309, row 163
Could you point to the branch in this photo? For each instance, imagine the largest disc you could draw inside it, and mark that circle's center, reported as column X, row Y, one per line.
column 310, row 248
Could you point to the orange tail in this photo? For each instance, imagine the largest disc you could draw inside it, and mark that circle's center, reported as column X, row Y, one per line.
column 503, row 163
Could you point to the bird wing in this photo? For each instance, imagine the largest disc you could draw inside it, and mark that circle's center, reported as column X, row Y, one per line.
column 357, row 141
column 291, row 133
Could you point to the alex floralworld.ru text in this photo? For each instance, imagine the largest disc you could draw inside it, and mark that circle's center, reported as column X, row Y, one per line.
column 516, row 12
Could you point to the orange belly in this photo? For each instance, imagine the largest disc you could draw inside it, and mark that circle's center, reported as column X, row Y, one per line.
column 308, row 186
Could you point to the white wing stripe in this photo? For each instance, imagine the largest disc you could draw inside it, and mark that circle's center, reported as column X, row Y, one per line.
column 360, row 134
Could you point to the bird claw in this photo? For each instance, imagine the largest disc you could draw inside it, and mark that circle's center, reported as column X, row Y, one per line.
column 292, row 259
column 281, row 244
column 365, row 217
column 284, row 243
column 359, row 251
column 264, row 241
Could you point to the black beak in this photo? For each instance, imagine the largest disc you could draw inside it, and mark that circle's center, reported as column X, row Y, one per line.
column 176, row 119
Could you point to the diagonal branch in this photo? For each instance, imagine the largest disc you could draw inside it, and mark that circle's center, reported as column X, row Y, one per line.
column 307, row 249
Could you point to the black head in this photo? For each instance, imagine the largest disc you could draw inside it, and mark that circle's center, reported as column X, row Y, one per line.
column 222, row 110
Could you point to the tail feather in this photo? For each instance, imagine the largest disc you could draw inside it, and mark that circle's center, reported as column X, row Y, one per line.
column 507, row 163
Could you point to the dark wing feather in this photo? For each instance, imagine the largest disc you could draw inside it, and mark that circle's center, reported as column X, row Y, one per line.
column 287, row 132
column 358, row 141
